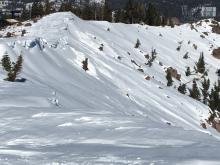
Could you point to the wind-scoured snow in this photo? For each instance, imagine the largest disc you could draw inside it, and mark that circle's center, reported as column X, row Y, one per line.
column 110, row 114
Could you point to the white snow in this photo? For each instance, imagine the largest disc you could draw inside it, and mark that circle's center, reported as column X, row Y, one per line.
column 110, row 114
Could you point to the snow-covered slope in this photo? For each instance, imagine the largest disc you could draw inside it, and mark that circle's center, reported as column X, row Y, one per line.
column 110, row 114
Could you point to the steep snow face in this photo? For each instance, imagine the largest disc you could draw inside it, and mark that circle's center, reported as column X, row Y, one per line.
column 110, row 114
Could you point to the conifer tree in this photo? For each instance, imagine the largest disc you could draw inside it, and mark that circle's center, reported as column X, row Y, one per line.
column 182, row 88
column 194, row 92
column 87, row 12
column 214, row 97
column 25, row 15
column 169, row 79
column 6, row 62
column 138, row 43
column 130, row 11
column 18, row 66
column 188, row 72
column 37, row 9
column 47, row 7
column 200, row 65
column 164, row 21
column 152, row 17
column 85, row 64
column 107, row 13
column 13, row 69
column 205, row 90
column 66, row 6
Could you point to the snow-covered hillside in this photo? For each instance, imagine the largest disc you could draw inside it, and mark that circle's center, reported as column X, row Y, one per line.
column 110, row 114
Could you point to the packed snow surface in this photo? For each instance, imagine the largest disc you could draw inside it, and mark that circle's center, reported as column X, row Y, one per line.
column 110, row 114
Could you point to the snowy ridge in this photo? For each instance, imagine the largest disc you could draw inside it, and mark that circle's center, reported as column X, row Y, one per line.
column 110, row 114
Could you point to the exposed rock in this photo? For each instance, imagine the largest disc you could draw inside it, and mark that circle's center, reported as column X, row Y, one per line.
column 216, row 53
column 28, row 24
column 147, row 78
column 174, row 73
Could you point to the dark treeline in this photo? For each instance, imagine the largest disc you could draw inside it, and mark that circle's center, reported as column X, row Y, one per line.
column 133, row 12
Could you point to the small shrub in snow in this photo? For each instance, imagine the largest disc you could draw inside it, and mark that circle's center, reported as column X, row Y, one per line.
column 23, row 32
column 186, row 56
column 206, row 33
column 85, row 64
column 182, row 88
column 152, row 58
column 119, row 57
column 195, row 46
column 202, row 36
column 178, row 48
column 188, row 71
column 101, row 48
column 141, row 70
column 138, row 43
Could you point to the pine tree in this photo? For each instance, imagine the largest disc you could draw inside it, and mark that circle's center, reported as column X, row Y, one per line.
column 205, row 90
column 37, row 9
column 6, row 62
column 218, row 72
column 18, row 66
column 214, row 97
column 200, row 65
column 169, row 79
column 182, row 88
column 164, row 21
column 47, row 7
column 130, row 11
column 85, row 64
column 194, row 92
column 25, row 15
column 152, row 17
column 188, row 72
column 107, row 13
column 13, row 69
column 171, row 24
column 66, row 6
column 138, row 43
column 87, row 12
